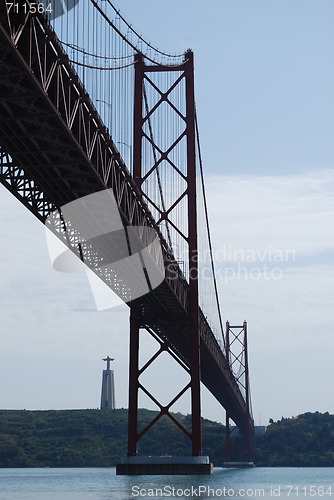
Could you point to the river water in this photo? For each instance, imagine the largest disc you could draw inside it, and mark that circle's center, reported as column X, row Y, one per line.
column 103, row 484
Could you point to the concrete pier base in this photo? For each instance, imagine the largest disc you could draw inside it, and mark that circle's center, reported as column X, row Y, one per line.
column 238, row 465
column 164, row 465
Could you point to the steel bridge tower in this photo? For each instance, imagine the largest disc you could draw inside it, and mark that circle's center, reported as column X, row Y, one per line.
column 141, row 116
column 237, row 355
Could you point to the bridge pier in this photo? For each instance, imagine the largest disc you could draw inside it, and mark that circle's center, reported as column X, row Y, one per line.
column 164, row 465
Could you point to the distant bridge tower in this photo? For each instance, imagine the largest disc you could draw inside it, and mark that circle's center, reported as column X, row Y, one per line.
column 108, row 387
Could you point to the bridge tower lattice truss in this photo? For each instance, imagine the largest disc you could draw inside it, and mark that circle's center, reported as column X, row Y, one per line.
column 143, row 133
column 237, row 355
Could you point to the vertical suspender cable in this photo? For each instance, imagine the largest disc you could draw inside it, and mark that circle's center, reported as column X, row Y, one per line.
column 208, row 230
column 156, row 166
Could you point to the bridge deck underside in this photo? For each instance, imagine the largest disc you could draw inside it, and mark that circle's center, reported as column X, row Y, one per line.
column 48, row 142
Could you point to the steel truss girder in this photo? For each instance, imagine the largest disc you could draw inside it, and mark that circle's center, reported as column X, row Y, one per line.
column 66, row 125
column 14, row 179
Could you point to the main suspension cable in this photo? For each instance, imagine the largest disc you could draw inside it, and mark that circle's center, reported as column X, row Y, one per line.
column 96, row 56
column 140, row 36
column 102, row 68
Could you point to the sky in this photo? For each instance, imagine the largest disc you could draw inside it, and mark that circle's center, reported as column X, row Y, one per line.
column 264, row 80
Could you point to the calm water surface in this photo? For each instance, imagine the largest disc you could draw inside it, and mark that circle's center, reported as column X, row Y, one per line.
column 103, row 484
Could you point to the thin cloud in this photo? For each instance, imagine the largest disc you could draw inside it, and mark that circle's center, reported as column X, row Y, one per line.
column 281, row 212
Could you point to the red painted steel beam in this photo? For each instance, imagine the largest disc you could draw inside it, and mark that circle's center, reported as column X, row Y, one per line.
column 227, row 439
column 195, row 367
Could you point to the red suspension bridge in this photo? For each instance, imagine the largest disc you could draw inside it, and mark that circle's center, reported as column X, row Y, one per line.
column 87, row 105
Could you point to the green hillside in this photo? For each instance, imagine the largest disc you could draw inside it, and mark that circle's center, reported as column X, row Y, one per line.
column 92, row 438
column 303, row 441
column 98, row 438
